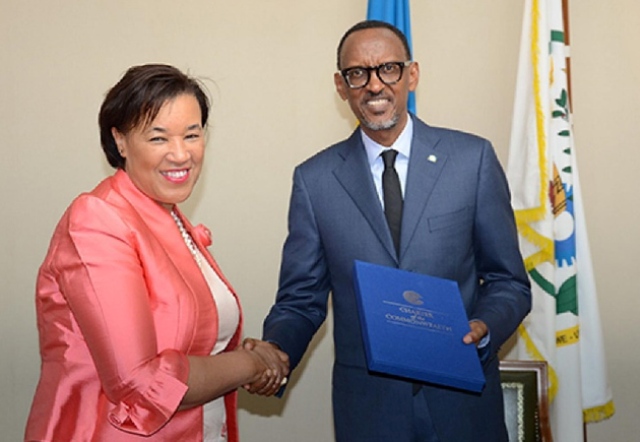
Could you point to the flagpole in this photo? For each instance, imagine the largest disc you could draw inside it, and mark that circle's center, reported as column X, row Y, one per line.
column 567, row 42
column 565, row 19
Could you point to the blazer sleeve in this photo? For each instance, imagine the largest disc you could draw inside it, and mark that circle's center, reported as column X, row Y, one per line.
column 100, row 274
column 505, row 297
column 301, row 302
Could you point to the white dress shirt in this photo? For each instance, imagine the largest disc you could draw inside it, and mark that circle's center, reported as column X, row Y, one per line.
column 374, row 150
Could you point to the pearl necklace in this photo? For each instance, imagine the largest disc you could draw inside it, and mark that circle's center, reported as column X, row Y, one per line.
column 187, row 238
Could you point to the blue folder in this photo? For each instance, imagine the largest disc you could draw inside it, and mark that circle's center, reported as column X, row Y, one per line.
column 413, row 325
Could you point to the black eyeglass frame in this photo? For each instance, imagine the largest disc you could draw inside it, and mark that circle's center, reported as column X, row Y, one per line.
column 368, row 69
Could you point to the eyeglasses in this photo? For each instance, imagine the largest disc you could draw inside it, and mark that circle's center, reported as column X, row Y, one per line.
column 389, row 73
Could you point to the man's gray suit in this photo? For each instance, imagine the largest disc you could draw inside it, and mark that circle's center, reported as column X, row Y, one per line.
column 457, row 224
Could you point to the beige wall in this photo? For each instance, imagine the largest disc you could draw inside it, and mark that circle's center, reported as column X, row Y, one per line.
column 270, row 65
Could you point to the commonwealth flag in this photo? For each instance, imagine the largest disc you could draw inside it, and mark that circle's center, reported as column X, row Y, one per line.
column 563, row 327
column 397, row 13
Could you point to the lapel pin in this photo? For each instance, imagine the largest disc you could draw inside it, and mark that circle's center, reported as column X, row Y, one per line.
column 432, row 158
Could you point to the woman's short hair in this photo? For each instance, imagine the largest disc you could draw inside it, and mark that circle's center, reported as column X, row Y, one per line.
column 137, row 98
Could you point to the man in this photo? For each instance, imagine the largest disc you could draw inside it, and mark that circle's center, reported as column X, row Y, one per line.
column 456, row 223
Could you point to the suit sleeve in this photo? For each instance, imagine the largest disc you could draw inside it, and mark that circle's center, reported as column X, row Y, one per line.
column 301, row 302
column 99, row 273
column 505, row 296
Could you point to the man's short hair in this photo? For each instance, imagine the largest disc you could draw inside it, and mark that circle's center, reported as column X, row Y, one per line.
column 373, row 24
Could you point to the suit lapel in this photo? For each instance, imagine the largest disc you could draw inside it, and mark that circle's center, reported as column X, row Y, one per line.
column 425, row 165
column 351, row 174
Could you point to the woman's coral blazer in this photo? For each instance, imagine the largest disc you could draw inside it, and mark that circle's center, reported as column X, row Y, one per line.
column 120, row 304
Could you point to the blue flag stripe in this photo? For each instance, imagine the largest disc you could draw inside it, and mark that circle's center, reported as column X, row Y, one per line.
column 395, row 12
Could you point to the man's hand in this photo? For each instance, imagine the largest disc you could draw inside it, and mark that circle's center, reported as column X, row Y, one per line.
column 478, row 331
column 277, row 362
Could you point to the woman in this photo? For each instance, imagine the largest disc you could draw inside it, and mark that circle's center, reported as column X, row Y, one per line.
column 138, row 327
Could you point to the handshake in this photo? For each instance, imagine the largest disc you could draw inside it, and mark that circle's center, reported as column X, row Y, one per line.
column 271, row 367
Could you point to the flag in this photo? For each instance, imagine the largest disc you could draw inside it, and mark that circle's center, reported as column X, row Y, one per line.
column 395, row 12
column 563, row 327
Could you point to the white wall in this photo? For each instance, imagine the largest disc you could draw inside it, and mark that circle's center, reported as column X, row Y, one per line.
column 269, row 66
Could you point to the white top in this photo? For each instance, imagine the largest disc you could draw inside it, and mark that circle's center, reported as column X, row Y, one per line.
column 215, row 416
